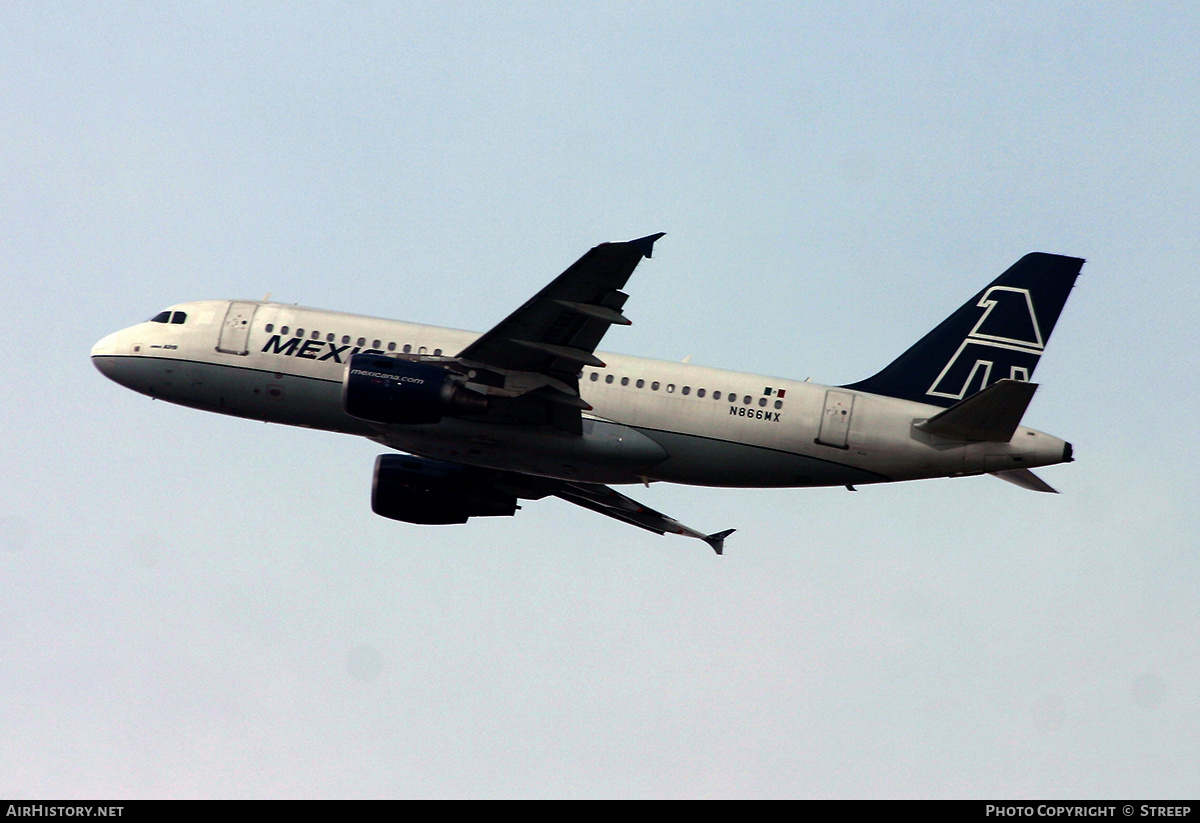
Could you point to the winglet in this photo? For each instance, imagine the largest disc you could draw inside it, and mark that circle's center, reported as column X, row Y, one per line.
column 646, row 244
column 717, row 541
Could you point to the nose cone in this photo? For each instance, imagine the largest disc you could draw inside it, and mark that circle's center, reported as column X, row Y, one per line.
column 103, row 354
column 106, row 345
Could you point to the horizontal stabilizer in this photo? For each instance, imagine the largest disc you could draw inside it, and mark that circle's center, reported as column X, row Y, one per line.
column 1026, row 480
column 990, row 415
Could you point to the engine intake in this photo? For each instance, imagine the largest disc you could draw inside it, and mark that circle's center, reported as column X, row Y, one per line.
column 387, row 390
column 417, row 490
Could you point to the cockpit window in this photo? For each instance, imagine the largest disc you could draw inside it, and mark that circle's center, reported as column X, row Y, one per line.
column 161, row 317
column 179, row 317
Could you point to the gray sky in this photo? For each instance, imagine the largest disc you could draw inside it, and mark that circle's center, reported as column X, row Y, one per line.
column 197, row 606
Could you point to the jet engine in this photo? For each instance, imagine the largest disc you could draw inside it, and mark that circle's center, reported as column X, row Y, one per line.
column 417, row 490
column 388, row 390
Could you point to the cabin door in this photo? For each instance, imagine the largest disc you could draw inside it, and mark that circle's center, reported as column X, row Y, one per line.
column 236, row 329
column 835, row 420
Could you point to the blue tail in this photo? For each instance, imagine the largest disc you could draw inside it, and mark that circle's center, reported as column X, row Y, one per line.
column 999, row 333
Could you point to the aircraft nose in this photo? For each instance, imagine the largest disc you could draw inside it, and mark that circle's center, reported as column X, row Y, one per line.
column 106, row 345
column 104, row 355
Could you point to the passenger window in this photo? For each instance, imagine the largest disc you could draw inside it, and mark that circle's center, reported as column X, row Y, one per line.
column 283, row 330
column 779, row 404
column 345, row 339
column 747, row 400
column 762, row 401
column 641, row 384
column 329, row 337
column 687, row 390
column 316, row 335
column 391, row 346
column 595, row 377
column 437, row 352
column 654, row 386
column 362, row 341
column 716, row 395
column 178, row 318
column 608, row 378
column 270, row 328
column 375, row 345
column 699, row 392
column 624, row 381
column 407, row 348
column 299, row 332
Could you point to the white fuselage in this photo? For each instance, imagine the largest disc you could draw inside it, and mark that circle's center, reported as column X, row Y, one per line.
column 650, row 419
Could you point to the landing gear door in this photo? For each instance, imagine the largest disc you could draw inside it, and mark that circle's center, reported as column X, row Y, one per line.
column 835, row 420
column 235, row 331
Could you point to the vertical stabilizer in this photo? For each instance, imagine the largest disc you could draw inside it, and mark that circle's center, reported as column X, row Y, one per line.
column 998, row 334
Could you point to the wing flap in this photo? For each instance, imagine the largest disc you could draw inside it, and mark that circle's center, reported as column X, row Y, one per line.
column 597, row 311
column 568, row 353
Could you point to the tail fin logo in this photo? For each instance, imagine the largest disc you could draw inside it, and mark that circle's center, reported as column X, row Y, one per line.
column 1006, row 341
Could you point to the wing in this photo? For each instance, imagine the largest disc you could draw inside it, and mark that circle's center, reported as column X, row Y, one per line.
column 539, row 350
column 616, row 505
column 420, row 490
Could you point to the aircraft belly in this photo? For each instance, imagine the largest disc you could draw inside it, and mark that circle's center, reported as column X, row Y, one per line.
column 242, row 392
column 283, row 398
column 605, row 452
column 702, row 461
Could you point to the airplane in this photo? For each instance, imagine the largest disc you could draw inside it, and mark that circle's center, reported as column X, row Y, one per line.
column 530, row 409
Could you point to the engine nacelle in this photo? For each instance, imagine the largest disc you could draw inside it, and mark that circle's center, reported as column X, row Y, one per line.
column 417, row 490
column 387, row 390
